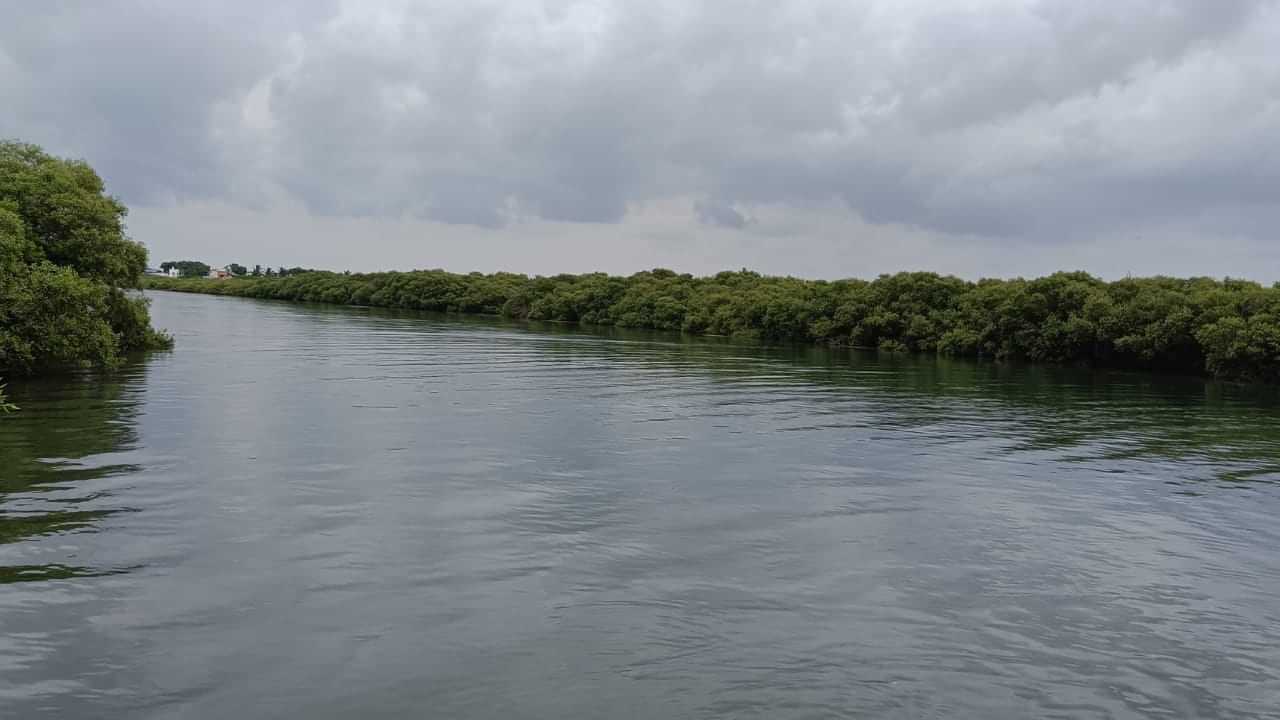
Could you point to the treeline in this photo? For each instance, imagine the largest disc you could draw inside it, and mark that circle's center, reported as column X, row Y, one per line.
column 195, row 268
column 66, row 266
column 282, row 271
column 1224, row 328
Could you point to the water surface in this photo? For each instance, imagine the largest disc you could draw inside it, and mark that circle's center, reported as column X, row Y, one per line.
column 336, row 512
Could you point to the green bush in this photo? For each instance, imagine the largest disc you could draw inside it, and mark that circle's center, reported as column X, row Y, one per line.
column 65, row 268
column 1224, row 328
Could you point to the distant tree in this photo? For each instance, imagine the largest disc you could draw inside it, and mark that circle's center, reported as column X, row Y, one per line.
column 1227, row 328
column 257, row 271
column 237, row 269
column 187, row 268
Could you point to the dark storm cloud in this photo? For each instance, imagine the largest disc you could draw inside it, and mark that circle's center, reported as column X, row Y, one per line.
column 137, row 87
column 996, row 118
column 716, row 213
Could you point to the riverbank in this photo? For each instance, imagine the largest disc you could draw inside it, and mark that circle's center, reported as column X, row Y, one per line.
column 1228, row 329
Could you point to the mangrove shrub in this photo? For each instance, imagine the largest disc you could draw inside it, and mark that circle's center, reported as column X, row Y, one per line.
column 1224, row 328
column 66, row 268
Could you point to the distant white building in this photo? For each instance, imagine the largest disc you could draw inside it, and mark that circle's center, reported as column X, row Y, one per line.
column 219, row 273
column 173, row 272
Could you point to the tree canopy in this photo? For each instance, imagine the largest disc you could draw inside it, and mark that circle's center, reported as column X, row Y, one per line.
column 65, row 267
column 186, row 268
column 1223, row 328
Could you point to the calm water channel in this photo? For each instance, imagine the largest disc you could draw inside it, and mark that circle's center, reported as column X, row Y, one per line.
column 322, row 512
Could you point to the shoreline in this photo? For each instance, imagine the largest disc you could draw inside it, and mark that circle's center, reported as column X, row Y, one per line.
column 1221, row 329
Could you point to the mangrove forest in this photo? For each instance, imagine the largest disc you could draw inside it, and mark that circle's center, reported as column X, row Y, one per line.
column 1227, row 329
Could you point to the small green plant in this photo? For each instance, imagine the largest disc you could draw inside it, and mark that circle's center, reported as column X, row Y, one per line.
column 5, row 405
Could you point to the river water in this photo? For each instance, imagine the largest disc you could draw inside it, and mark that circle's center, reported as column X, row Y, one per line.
column 329, row 512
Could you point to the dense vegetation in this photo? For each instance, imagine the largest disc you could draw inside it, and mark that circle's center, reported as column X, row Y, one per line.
column 65, row 268
column 1224, row 328
column 186, row 268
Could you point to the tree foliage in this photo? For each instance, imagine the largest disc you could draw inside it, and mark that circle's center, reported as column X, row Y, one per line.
column 186, row 268
column 1224, row 328
column 65, row 267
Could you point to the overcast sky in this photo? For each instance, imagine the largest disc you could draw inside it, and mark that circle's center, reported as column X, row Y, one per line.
column 822, row 138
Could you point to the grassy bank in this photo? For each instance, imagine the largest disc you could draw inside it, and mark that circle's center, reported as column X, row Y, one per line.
column 1222, row 328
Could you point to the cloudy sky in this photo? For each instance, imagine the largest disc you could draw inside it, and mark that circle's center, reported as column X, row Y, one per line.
column 822, row 138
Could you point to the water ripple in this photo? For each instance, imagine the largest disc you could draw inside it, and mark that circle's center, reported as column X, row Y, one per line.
column 337, row 512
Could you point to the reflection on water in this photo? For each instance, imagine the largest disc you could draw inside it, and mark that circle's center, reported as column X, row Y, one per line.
column 337, row 512
column 48, row 455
